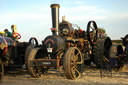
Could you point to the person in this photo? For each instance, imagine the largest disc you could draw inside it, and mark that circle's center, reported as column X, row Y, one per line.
column 14, row 29
column 9, row 34
column 15, row 33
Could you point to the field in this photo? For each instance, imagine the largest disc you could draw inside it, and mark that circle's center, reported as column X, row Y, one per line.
column 91, row 76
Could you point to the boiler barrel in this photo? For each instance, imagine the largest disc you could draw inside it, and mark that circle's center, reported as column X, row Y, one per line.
column 55, row 42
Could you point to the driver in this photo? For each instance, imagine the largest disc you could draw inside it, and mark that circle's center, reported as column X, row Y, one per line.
column 14, row 29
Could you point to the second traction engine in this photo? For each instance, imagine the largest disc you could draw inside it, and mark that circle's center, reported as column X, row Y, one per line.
column 66, row 47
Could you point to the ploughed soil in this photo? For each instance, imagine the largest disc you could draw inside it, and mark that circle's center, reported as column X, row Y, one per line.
column 91, row 76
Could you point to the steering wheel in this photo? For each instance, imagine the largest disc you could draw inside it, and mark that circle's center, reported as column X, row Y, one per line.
column 16, row 35
column 92, row 32
column 33, row 41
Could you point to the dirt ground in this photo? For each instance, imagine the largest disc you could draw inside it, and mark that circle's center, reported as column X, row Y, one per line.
column 91, row 76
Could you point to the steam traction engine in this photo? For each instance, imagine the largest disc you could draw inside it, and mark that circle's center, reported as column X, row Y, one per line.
column 12, row 53
column 67, row 47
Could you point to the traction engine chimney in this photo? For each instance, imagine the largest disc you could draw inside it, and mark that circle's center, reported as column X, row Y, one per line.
column 55, row 18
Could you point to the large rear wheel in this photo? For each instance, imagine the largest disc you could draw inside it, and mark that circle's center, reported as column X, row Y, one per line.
column 101, row 51
column 73, row 63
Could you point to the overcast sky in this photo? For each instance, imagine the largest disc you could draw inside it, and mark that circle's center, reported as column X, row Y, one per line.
column 33, row 17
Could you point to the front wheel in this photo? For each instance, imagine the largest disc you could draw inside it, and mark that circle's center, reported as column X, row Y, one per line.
column 33, row 70
column 73, row 63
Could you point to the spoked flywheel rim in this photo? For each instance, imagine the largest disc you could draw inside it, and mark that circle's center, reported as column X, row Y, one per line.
column 92, row 32
column 73, row 63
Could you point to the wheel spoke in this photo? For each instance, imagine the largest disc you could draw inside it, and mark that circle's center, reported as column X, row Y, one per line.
column 79, row 62
column 94, row 36
column 73, row 52
column 77, row 54
column 37, row 71
column 91, row 35
column 92, row 28
column 75, row 72
column 94, row 32
column 76, row 57
column 73, row 58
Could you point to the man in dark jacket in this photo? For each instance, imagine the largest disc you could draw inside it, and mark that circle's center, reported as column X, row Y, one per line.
column 9, row 34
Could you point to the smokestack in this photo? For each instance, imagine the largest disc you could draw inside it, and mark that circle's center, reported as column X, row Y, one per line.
column 55, row 18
